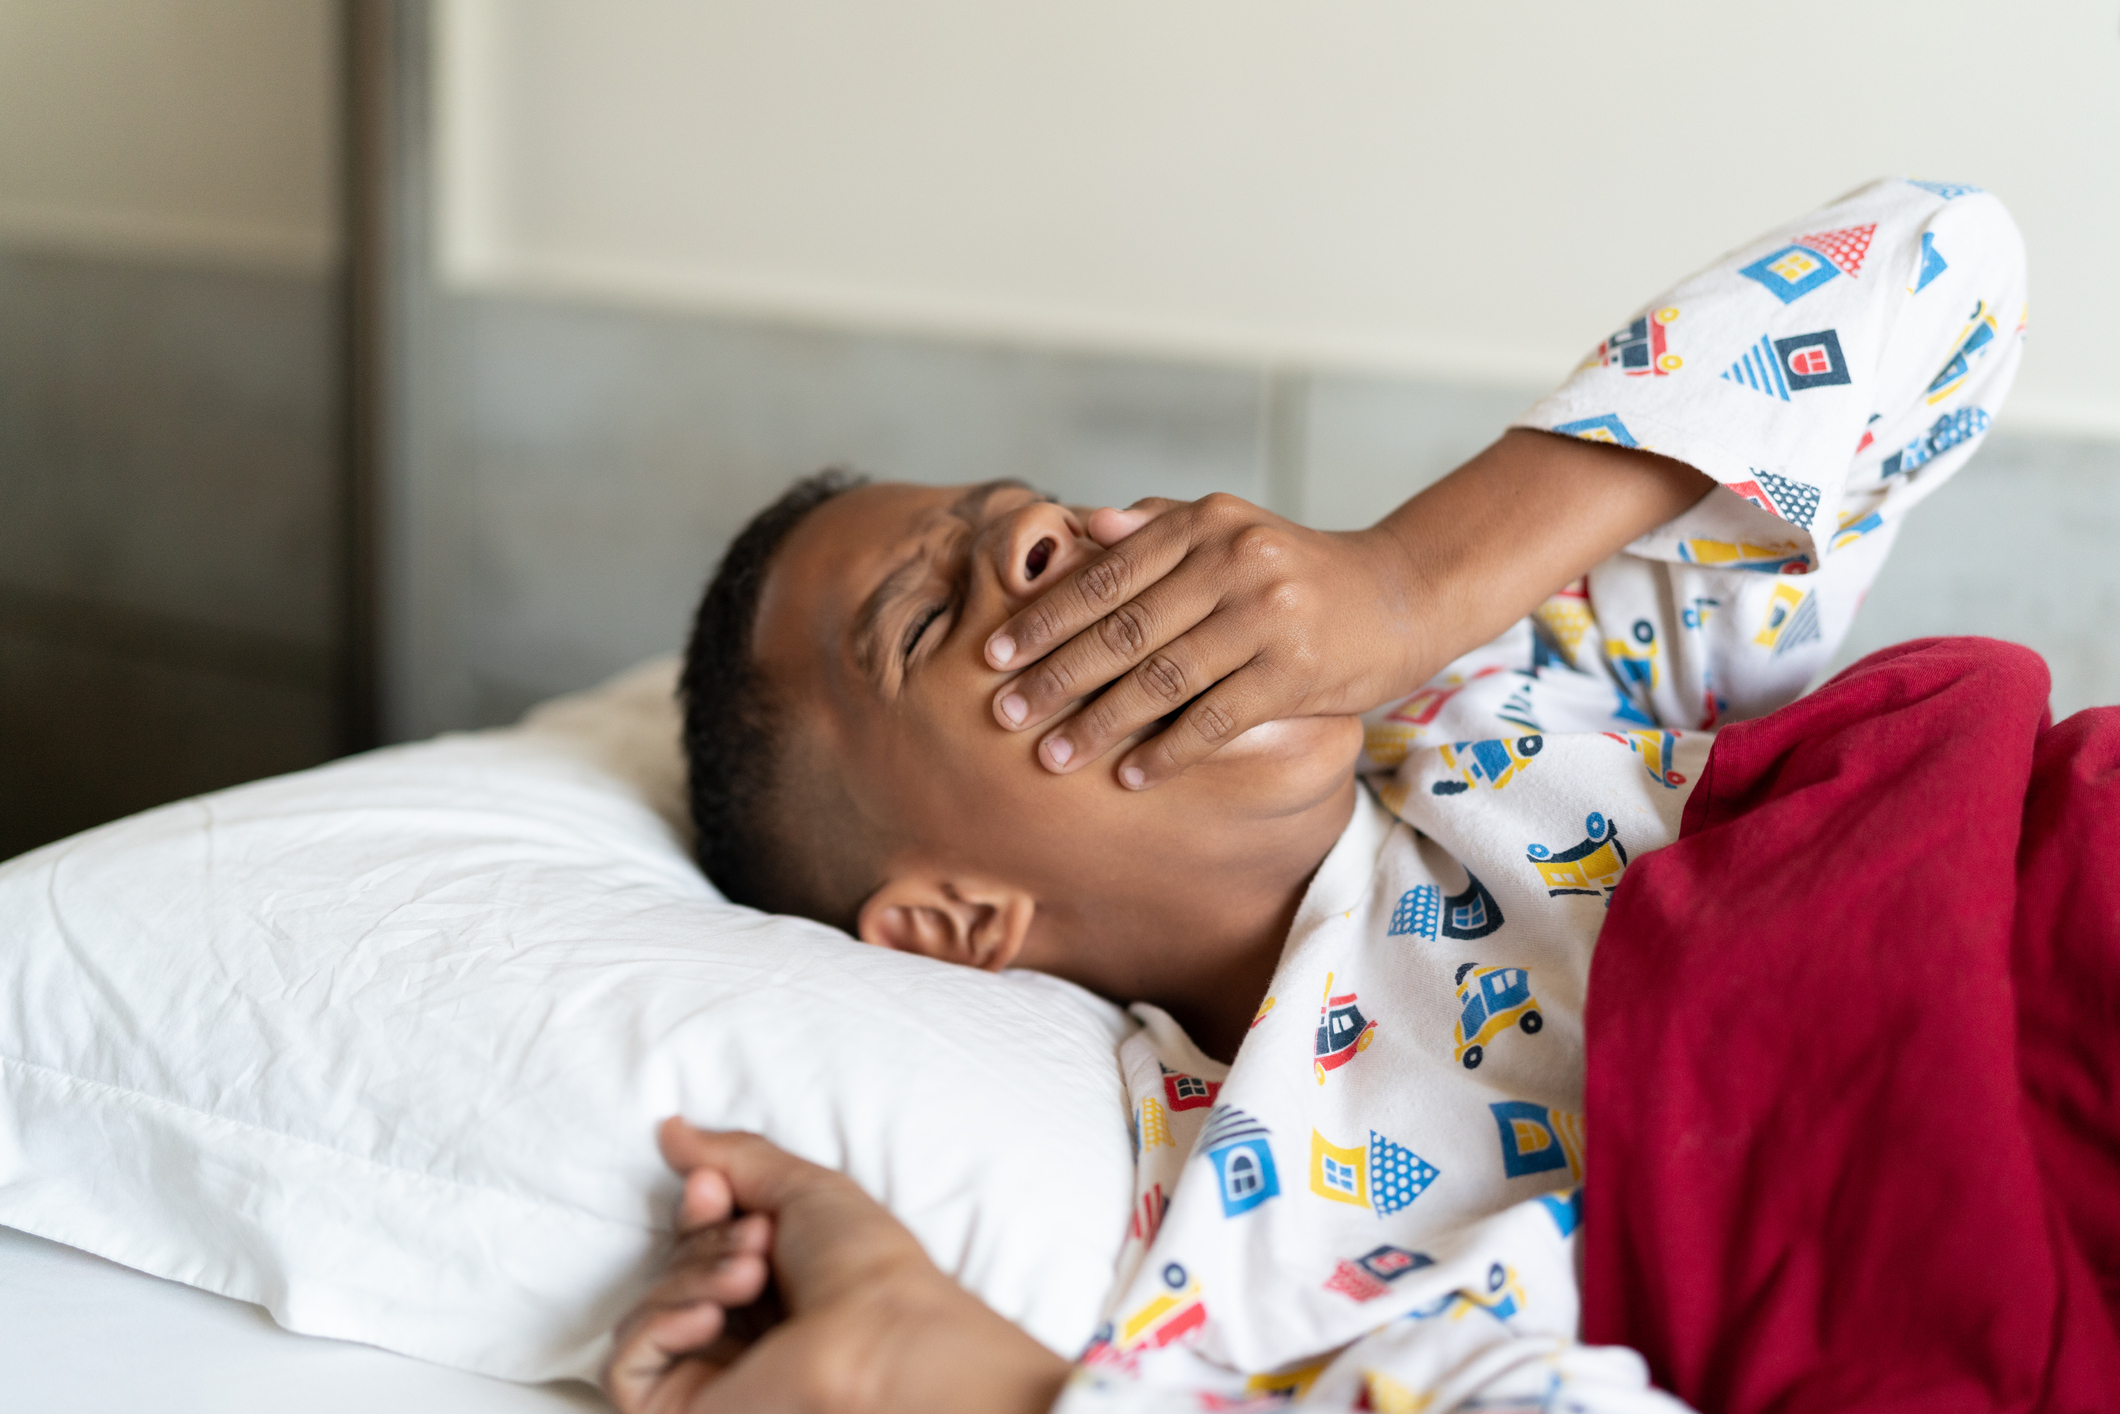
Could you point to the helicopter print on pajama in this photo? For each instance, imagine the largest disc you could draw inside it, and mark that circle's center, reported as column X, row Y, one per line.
column 1343, row 1032
column 1492, row 1000
column 1592, row 867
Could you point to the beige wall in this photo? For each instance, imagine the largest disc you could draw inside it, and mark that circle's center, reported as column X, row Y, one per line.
column 1466, row 191
column 188, row 129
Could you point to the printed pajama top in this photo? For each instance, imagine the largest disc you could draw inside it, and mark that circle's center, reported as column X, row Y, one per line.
column 1375, row 1207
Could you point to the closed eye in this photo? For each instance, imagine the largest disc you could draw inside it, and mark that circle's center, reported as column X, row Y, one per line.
column 919, row 627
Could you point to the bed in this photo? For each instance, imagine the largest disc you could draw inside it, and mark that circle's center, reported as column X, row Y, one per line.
column 443, row 1224
column 77, row 1332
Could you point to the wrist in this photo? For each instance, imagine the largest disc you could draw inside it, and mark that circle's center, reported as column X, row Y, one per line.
column 1408, row 584
column 947, row 1352
column 1485, row 545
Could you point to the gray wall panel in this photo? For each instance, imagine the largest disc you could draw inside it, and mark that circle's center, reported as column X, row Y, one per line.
column 2020, row 545
column 168, row 440
column 1372, row 442
column 594, row 462
column 88, row 735
column 585, row 465
column 169, row 452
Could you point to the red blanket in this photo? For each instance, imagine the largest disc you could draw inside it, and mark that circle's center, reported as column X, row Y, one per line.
column 1854, row 1056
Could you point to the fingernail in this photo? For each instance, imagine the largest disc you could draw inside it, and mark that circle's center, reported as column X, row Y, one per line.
column 1133, row 776
column 1014, row 708
column 1058, row 749
column 999, row 649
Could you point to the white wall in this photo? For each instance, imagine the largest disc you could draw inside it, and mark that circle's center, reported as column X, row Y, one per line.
column 1470, row 191
column 188, row 129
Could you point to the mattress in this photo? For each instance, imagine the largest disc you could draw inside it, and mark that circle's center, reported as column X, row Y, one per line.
column 80, row 1333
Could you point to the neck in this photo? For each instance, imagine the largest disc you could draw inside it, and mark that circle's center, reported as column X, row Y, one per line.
column 1202, row 940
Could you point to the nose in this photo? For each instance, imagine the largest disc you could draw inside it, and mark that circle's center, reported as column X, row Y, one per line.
column 1035, row 546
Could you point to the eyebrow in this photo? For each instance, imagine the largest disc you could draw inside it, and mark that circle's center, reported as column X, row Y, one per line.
column 868, row 653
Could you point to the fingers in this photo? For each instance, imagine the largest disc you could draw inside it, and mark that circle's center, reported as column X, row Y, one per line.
column 822, row 1232
column 749, row 1173
column 733, row 1280
column 1139, row 558
column 1108, row 527
column 697, row 1317
column 725, row 1265
column 647, row 1351
column 1163, row 681
column 691, row 1324
column 1125, row 639
column 1238, row 703
column 707, row 1199
column 749, row 1237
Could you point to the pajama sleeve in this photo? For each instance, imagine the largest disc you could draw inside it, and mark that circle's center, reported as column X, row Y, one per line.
column 1828, row 376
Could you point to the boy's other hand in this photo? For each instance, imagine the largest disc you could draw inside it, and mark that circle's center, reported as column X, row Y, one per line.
column 793, row 1292
column 1215, row 606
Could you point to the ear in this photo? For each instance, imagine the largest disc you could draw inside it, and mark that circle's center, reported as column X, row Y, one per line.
column 949, row 916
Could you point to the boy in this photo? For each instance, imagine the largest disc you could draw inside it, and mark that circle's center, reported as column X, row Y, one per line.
column 1381, row 1207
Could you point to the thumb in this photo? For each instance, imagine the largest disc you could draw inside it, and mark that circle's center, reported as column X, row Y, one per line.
column 761, row 1176
column 1109, row 526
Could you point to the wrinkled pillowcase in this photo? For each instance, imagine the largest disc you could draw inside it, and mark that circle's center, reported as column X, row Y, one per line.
column 381, row 1047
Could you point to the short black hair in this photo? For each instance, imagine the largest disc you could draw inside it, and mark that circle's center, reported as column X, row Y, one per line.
column 735, row 747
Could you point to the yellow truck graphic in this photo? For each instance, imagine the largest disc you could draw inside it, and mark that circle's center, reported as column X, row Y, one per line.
column 1592, row 867
column 1490, row 1001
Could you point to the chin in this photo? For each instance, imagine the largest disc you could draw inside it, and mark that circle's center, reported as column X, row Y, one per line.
column 1294, row 763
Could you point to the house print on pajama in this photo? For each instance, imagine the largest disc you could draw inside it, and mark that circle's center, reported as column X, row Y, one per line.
column 1376, row 1205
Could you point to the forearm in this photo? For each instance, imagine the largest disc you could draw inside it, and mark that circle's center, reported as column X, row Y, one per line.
column 1529, row 515
column 1234, row 616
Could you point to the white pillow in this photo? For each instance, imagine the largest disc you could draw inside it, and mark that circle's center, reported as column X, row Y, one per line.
column 381, row 1046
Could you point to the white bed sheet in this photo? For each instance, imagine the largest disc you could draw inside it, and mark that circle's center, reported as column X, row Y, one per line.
column 78, row 1333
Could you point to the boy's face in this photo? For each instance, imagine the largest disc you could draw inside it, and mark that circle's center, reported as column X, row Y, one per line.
column 873, row 623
